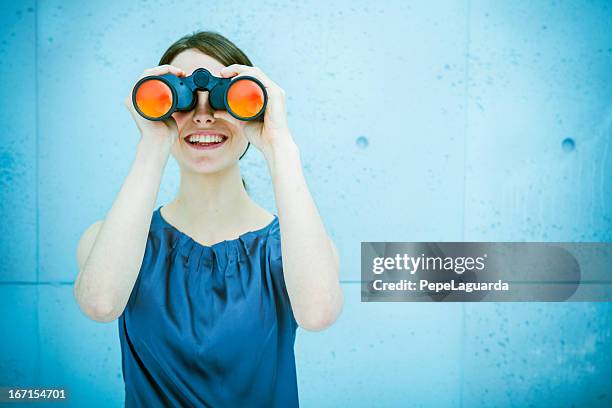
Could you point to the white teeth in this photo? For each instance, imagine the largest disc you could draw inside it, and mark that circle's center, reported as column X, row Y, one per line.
column 205, row 138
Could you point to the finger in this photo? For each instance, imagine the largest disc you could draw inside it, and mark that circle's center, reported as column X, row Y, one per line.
column 233, row 69
column 271, row 87
column 163, row 69
column 168, row 68
column 237, row 70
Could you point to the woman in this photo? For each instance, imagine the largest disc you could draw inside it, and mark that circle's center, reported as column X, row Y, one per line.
column 207, row 302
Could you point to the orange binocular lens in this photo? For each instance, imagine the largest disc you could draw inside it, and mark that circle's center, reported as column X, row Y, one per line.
column 245, row 98
column 154, row 98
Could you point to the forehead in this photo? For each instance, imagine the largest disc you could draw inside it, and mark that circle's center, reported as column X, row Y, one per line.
column 191, row 59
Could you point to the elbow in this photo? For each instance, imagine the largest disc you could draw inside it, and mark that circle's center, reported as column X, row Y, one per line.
column 316, row 323
column 101, row 311
column 321, row 318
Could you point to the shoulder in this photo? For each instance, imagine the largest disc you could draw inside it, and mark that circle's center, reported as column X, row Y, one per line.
column 274, row 226
column 273, row 232
column 272, row 238
column 92, row 230
column 265, row 224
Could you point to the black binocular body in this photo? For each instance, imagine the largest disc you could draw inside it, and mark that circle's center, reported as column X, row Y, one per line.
column 157, row 97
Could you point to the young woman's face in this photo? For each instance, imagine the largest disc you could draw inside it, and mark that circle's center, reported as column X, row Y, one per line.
column 202, row 118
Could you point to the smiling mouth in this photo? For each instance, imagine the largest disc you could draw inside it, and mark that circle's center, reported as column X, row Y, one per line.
column 205, row 141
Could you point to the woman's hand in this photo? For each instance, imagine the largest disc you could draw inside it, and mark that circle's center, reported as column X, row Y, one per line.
column 163, row 133
column 274, row 132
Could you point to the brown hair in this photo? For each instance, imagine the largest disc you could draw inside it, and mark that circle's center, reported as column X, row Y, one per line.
column 212, row 44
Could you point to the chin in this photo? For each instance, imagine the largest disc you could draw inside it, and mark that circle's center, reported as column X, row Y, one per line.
column 205, row 165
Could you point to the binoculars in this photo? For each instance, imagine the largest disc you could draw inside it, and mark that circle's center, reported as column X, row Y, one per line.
column 157, row 97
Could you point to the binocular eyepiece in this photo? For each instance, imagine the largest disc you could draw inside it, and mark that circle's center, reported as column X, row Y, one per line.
column 157, row 97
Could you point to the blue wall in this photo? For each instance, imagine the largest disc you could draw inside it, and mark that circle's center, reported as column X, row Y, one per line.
column 471, row 120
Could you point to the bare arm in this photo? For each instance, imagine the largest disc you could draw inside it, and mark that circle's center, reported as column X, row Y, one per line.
column 111, row 251
column 310, row 259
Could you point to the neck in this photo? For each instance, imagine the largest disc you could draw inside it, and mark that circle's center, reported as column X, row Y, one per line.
column 211, row 198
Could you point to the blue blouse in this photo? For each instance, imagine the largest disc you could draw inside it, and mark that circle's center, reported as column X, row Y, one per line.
column 209, row 326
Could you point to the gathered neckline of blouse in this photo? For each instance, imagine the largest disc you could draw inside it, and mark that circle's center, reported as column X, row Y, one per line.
column 225, row 242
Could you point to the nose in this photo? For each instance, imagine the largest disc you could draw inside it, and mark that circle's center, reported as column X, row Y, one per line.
column 203, row 113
